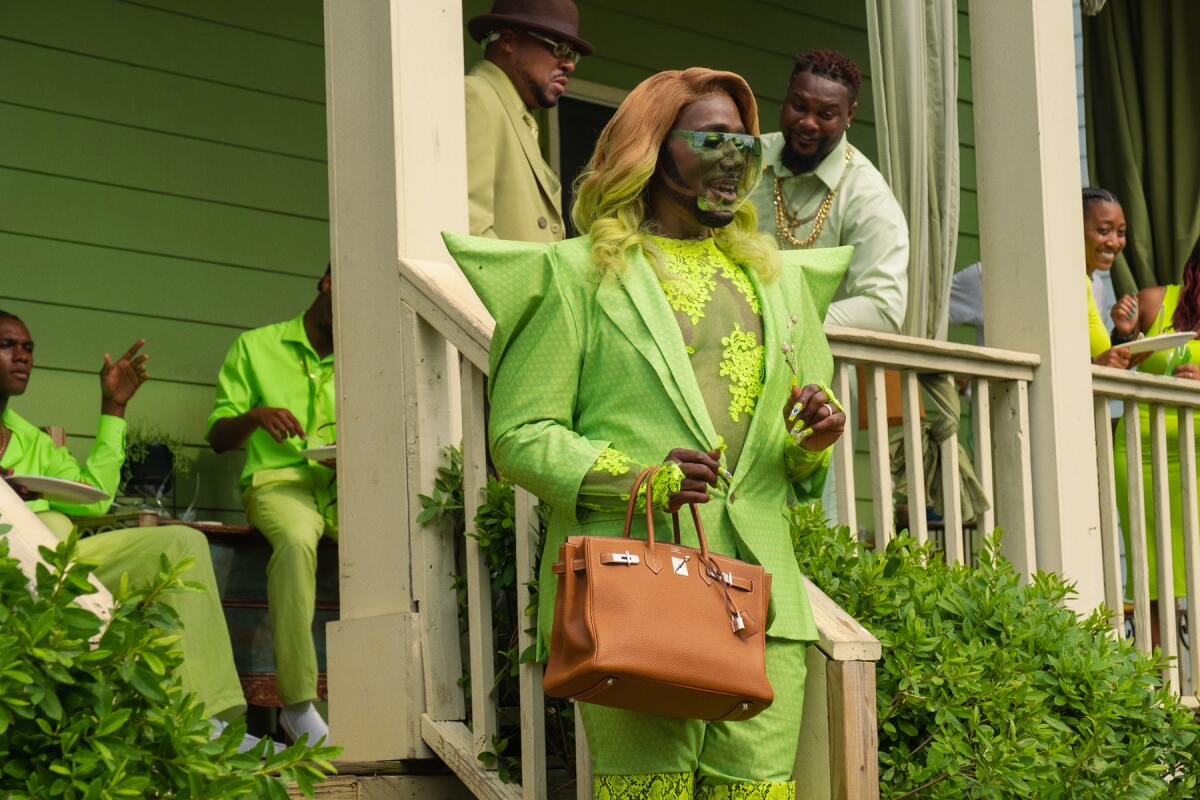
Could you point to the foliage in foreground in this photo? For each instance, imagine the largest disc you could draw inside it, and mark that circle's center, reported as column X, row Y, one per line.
column 109, row 722
column 992, row 689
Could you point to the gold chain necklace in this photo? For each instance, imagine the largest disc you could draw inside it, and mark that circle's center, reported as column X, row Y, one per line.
column 786, row 223
column 7, row 436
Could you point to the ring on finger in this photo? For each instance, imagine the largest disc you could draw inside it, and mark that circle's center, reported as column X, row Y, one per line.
column 829, row 408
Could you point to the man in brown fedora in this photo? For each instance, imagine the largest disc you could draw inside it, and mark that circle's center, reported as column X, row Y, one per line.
column 531, row 48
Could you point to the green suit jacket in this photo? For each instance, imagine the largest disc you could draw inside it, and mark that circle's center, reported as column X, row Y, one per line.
column 513, row 193
column 581, row 362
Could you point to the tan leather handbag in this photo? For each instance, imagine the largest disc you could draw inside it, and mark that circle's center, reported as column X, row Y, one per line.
column 658, row 627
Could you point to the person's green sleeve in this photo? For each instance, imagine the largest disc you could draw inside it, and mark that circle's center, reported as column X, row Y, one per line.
column 607, row 485
column 876, row 284
column 534, row 390
column 102, row 468
column 235, row 386
column 481, row 158
column 1098, row 338
column 807, row 470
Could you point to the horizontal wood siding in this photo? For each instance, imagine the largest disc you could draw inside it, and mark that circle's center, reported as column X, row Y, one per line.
column 163, row 177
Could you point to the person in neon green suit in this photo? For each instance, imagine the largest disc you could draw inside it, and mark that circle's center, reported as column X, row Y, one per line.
column 208, row 668
column 671, row 333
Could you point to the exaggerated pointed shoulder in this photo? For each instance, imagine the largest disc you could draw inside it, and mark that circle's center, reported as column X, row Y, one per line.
column 820, row 270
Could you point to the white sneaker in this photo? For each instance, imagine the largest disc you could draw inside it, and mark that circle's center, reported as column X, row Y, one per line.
column 248, row 742
column 303, row 718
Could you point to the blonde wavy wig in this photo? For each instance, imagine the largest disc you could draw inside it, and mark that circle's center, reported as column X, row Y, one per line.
column 610, row 193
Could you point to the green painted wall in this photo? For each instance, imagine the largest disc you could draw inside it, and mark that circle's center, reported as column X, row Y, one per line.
column 162, row 176
column 163, row 172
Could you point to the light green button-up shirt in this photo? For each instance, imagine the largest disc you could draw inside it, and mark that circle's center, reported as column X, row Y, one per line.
column 276, row 366
column 864, row 213
column 31, row 452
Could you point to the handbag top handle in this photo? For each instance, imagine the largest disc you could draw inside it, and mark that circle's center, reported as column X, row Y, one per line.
column 647, row 477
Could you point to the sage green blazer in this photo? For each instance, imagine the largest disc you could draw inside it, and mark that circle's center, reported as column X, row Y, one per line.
column 581, row 362
column 512, row 192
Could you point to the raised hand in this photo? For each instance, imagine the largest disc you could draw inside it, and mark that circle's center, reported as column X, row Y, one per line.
column 821, row 421
column 279, row 422
column 120, row 381
column 1124, row 316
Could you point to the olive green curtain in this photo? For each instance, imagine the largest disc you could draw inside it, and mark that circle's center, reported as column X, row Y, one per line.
column 914, row 75
column 1142, row 91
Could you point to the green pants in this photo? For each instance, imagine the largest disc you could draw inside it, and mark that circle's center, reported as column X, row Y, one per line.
column 760, row 750
column 207, row 669
column 286, row 512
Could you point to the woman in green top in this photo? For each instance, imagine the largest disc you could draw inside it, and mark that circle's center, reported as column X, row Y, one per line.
column 671, row 333
column 1162, row 309
column 1103, row 241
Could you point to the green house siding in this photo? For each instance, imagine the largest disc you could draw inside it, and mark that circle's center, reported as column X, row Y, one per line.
column 163, row 176
column 163, row 173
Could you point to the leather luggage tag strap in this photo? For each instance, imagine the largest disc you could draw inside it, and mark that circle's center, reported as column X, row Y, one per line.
column 749, row 625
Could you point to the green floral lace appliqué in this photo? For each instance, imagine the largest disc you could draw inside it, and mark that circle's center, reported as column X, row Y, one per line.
column 657, row 786
column 735, row 275
column 689, row 292
column 667, row 481
column 742, row 361
column 614, row 462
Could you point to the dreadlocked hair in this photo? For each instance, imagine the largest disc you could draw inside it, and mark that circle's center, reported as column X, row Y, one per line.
column 832, row 65
column 1187, row 313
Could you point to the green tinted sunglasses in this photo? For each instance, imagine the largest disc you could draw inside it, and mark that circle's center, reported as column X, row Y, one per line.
column 715, row 140
column 561, row 50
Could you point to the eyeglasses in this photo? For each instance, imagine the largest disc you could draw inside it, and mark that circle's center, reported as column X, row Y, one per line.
column 561, row 50
column 715, row 140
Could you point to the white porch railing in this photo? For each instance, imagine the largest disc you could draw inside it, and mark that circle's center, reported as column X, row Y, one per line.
column 1163, row 395
column 999, row 383
column 839, row 725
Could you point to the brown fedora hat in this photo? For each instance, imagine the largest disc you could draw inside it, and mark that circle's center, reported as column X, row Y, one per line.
column 558, row 19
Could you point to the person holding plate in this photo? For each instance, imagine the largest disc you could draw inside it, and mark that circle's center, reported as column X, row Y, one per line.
column 275, row 397
column 1161, row 310
column 671, row 333
column 208, row 669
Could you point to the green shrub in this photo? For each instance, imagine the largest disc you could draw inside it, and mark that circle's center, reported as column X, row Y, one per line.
column 990, row 688
column 109, row 722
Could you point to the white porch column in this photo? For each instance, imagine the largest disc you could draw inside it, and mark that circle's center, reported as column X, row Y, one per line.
column 1031, row 229
column 397, row 177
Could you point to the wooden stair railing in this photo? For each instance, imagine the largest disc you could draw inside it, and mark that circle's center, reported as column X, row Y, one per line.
column 839, row 726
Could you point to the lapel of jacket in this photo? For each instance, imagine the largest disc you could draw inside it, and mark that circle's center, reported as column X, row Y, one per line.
column 777, row 381
column 541, row 171
column 637, row 306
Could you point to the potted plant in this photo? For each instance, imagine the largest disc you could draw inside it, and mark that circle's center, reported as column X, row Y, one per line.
column 154, row 458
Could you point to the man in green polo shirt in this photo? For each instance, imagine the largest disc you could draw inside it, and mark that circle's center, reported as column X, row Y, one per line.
column 275, row 397
column 207, row 669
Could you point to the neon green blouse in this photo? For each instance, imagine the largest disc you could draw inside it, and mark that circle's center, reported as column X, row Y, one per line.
column 1098, row 339
column 31, row 452
column 720, row 318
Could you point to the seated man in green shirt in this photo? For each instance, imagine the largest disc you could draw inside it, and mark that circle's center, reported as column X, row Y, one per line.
column 208, row 669
column 275, row 396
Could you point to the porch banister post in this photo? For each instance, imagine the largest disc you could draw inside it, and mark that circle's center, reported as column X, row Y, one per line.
column 1031, row 231
column 397, row 177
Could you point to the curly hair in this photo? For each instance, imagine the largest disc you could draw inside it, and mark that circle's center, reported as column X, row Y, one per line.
column 1187, row 313
column 610, row 203
column 832, row 65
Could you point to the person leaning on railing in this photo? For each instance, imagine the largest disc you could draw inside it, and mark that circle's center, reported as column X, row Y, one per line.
column 670, row 334
column 208, row 670
column 1103, row 241
column 1162, row 309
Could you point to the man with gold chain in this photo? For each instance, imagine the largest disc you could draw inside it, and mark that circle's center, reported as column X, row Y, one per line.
column 819, row 191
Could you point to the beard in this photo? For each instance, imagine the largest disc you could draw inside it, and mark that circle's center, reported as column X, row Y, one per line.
column 709, row 218
column 798, row 164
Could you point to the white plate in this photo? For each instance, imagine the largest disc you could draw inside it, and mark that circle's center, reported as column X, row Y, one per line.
column 58, row 490
column 325, row 453
column 1164, row 341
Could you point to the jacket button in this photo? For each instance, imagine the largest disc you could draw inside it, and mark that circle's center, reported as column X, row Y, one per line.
column 554, row 228
column 543, row 222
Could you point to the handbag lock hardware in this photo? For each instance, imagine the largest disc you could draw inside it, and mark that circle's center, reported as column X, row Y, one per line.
column 621, row 558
